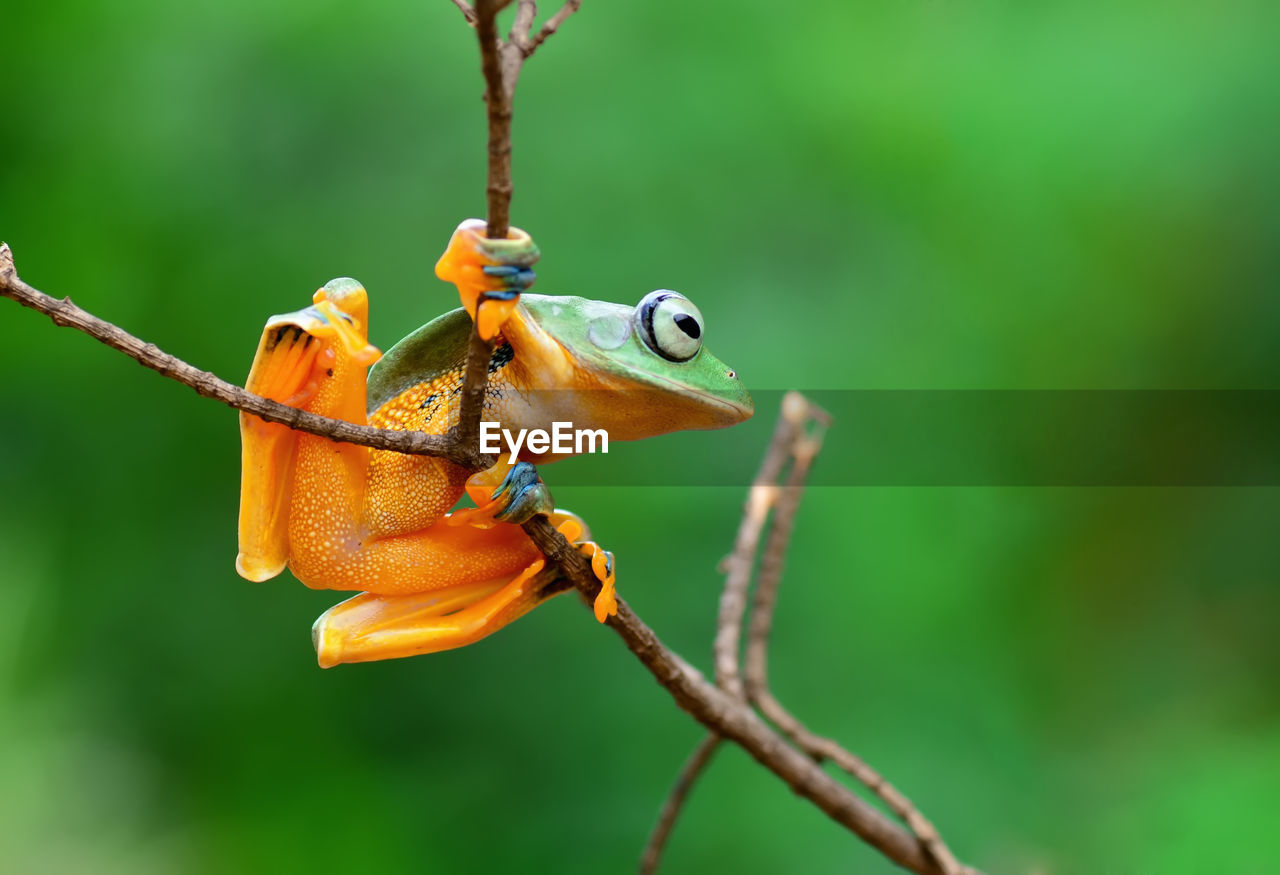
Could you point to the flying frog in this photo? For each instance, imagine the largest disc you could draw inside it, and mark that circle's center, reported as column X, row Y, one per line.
column 347, row 517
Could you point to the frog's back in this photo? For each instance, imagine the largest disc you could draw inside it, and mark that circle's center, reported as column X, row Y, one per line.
column 417, row 385
column 430, row 355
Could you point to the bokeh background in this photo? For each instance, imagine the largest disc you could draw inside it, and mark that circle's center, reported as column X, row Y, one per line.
column 871, row 195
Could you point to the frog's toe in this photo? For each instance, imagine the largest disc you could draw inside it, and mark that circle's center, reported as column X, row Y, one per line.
column 602, row 565
column 495, row 306
column 602, row 562
column 512, row 277
column 327, row 641
column 285, row 368
column 523, row 494
column 294, row 346
column 490, row 273
column 370, row 627
column 569, row 524
column 493, row 309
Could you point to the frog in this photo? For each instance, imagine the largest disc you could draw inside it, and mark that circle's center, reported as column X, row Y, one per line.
column 433, row 575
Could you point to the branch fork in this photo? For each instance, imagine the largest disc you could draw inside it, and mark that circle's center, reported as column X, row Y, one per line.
column 725, row 708
column 796, row 442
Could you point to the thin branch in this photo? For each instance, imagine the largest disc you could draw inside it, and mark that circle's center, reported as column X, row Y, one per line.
column 789, row 428
column 526, row 12
column 821, row 748
column 757, row 684
column 552, row 25
column 501, row 62
column 719, row 712
column 66, row 314
column 739, row 564
column 467, row 12
column 498, row 102
column 793, row 440
column 475, row 382
column 805, row 449
column 733, row 601
column 726, row 716
column 693, row 767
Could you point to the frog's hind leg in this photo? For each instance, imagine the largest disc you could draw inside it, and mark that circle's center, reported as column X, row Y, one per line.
column 371, row 627
column 393, row 623
column 296, row 353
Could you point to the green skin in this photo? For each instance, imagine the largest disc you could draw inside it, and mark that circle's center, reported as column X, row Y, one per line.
column 589, row 363
column 569, row 343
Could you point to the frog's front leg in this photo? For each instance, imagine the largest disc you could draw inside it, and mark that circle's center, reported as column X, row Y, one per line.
column 490, row 273
column 507, row 492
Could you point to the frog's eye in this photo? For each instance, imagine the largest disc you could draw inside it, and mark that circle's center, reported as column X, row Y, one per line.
column 670, row 325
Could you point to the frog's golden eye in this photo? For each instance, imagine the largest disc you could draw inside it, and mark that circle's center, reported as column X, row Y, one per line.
column 670, row 325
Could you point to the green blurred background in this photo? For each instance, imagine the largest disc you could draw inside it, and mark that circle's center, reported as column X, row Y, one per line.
column 943, row 195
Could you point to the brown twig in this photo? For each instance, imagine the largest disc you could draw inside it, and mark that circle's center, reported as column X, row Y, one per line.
column 740, row 563
column 693, row 767
column 738, row 566
column 66, row 314
column 467, row 11
column 722, row 714
column 475, row 382
column 726, row 716
column 797, row 438
column 733, row 604
column 552, row 25
column 804, row 450
column 498, row 102
column 821, row 748
column 733, row 720
column 501, row 62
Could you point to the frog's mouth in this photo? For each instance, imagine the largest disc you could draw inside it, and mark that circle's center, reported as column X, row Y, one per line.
column 723, row 411
column 653, row 406
column 736, row 412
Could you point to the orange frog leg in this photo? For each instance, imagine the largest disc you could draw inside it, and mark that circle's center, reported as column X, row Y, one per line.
column 490, row 273
column 461, row 599
column 372, row 627
column 602, row 565
column 304, row 359
column 519, row 494
column 504, row 493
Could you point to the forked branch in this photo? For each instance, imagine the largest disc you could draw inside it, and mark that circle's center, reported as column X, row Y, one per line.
column 692, row 769
column 797, row 439
column 467, row 11
column 726, row 715
column 501, row 62
column 66, row 314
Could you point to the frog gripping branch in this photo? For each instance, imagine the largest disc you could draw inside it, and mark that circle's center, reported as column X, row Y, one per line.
column 353, row 460
column 352, row 518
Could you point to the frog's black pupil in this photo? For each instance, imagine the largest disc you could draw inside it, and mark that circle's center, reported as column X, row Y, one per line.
column 689, row 325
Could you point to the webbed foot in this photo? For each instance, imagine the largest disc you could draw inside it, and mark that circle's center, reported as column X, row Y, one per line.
column 602, row 565
column 371, row 627
column 518, row 496
column 339, row 311
column 297, row 353
column 490, row 274
column 523, row 493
